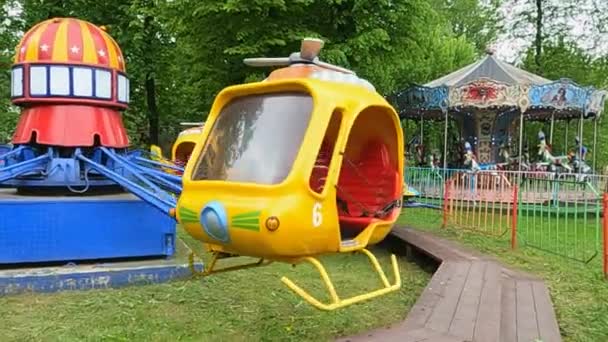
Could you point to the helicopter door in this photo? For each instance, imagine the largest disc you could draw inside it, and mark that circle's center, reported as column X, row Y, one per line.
column 183, row 152
column 369, row 184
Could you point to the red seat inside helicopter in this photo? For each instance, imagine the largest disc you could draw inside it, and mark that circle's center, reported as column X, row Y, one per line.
column 367, row 187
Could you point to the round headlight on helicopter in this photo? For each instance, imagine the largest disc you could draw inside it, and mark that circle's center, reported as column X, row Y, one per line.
column 214, row 221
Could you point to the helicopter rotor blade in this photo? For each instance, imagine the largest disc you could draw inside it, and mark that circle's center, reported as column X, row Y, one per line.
column 265, row 62
column 191, row 123
column 334, row 67
column 310, row 48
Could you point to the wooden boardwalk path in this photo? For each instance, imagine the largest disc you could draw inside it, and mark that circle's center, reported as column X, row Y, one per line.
column 470, row 298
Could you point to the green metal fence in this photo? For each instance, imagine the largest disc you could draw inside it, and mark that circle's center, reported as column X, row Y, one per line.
column 559, row 214
column 426, row 209
column 560, row 217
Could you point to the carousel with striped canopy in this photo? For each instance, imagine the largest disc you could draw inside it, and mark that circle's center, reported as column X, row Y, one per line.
column 69, row 77
column 68, row 178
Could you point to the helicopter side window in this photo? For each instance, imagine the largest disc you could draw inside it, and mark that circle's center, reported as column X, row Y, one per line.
column 255, row 138
column 318, row 176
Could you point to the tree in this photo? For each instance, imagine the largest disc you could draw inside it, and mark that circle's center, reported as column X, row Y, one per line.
column 179, row 55
column 391, row 43
column 540, row 22
column 481, row 28
column 9, row 38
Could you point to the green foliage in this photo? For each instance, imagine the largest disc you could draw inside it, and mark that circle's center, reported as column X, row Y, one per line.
column 193, row 49
column 391, row 43
column 563, row 59
column 481, row 29
column 8, row 40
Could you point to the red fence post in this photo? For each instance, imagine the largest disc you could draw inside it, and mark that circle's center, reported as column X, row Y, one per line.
column 605, row 232
column 446, row 208
column 514, row 217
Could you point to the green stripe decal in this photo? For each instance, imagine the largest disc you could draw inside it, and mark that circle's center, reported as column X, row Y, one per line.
column 247, row 215
column 187, row 215
column 246, row 221
column 247, row 226
column 249, row 220
column 186, row 211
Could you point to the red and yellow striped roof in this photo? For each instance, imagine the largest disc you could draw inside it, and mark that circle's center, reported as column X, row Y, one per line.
column 69, row 41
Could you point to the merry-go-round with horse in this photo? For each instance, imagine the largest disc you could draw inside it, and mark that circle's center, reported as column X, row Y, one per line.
column 489, row 125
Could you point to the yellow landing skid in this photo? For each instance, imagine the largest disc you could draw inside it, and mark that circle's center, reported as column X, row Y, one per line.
column 336, row 302
column 220, row 255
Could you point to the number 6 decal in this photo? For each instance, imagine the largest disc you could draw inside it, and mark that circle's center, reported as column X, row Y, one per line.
column 317, row 217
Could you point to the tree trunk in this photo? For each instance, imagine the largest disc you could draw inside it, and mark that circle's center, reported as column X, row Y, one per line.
column 538, row 43
column 153, row 117
column 152, row 110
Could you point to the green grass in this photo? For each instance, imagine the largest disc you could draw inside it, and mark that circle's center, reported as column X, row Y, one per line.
column 578, row 290
column 248, row 305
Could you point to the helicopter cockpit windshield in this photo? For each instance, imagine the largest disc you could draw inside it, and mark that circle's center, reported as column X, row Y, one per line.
column 255, row 138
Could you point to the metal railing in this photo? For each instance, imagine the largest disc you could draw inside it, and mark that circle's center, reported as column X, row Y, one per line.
column 555, row 213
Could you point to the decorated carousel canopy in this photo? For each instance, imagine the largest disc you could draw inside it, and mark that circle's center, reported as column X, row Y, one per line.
column 493, row 84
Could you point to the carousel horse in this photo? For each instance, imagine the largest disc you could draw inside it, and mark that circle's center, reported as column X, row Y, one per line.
column 511, row 162
column 548, row 160
column 505, row 155
column 577, row 160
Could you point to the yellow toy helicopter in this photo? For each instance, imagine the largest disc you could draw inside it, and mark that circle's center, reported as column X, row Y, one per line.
column 305, row 163
column 182, row 147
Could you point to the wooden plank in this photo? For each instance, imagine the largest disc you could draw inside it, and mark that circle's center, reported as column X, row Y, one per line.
column 527, row 328
column 417, row 335
column 508, row 314
column 487, row 327
column 390, row 335
column 420, row 243
column 421, row 335
column 429, row 244
column 434, row 291
column 444, row 311
column 510, row 305
column 463, row 322
column 545, row 315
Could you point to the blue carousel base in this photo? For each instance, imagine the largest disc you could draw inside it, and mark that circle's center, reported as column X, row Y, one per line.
column 66, row 229
column 97, row 276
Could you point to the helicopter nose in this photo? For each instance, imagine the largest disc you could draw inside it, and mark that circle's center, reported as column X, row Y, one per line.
column 214, row 221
